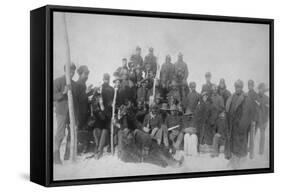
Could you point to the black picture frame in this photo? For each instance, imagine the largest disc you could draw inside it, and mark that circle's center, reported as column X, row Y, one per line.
column 41, row 83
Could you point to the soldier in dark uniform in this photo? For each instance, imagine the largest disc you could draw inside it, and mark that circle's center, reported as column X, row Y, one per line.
column 83, row 111
column 137, row 59
column 239, row 111
column 192, row 99
column 263, row 114
column 253, row 96
column 181, row 75
column 174, row 94
column 167, row 71
column 62, row 112
column 142, row 91
column 181, row 70
column 222, row 91
column 122, row 70
column 103, row 114
column 142, row 110
column 208, row 86
column 150, row 62
column 152, row 121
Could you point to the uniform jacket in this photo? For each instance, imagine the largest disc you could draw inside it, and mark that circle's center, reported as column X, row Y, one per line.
column 239, row 111
column 150, row 63
column 191, row 101
column 137, row 60
column 153, row 122
column 181, row 68
column 167, row 72
column 61, row 101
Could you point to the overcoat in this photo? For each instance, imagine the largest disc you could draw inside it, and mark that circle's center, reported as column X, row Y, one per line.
column 239, row 110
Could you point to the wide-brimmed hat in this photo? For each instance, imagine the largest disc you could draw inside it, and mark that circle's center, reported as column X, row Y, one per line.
column 165, row 107
column 117, row 78
column 188, row 112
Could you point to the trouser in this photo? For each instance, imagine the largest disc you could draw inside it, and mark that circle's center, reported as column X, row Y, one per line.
column 262, row 140
column 160, row 135
column 176, row 137
column 217, row 142
column 251, row 141
column 62, row 121
column 101, row 138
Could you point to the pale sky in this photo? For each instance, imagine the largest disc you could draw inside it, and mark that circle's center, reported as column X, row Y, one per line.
column 228, row 50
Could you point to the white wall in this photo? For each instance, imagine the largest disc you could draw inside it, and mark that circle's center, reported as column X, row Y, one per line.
column 14, row 102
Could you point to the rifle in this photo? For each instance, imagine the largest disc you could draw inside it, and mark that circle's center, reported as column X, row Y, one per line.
column 174, row 127
column 112, row 120
column 152, row 97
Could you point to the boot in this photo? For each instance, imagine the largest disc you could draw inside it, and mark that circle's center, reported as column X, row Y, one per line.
column 57, row 159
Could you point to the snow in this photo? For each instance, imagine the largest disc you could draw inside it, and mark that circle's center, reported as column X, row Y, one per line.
column 111, row 166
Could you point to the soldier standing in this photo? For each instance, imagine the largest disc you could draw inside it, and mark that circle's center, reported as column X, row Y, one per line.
column 62, row 113
column 222, row 90
column 240, row 115
column 150, row 62
column 167, row 71
column 253, row 96
column 122, row 70
column 192, row 99
column 137, row 59
column 208, row 86
column 263, row 114
column 181, row 69
column 83, row 111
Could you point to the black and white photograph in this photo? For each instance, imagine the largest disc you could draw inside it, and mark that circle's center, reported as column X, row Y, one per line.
column 138, row 96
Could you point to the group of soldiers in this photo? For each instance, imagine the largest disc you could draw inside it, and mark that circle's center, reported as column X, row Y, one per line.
column 152, row 113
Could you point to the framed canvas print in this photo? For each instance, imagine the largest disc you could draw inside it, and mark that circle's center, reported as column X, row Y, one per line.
column 122, row 95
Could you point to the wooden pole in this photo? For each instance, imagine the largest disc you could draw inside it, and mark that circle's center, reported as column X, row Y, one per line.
column 112, row 120
column 73, row 126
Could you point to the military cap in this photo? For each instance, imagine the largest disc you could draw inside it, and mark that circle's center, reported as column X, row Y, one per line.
column 239, row 83
column 106, row 76
column 251, row 82
column 192, row 84
column 72, row 66
column 117, row 78
column 82, row 69
column 262, row 86
column 208, row 74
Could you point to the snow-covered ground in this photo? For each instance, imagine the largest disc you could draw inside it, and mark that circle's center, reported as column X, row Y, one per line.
column 111, row 166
